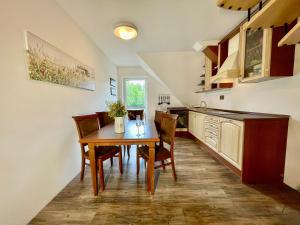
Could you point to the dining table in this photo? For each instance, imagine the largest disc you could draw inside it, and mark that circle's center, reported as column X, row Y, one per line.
column 146, row 134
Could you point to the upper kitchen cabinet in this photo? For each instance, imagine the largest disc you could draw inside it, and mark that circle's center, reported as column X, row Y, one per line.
column 261, row 58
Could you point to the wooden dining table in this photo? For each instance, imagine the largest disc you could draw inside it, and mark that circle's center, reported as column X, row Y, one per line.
column 106, row 136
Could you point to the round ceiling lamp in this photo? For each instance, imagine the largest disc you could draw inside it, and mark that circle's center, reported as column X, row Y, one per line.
column 125, row 31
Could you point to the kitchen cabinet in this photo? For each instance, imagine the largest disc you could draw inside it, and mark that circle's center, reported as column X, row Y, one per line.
column 196, row 124
column 231, row 141
column 252, row 145
column 192, row 122
column 199, row 129
column 211, row 132
column 260, row 57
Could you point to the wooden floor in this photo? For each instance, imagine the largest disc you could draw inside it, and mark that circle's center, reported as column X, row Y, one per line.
column 205, row 193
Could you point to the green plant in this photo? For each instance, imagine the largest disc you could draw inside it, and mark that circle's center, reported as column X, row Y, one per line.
column 116, row 109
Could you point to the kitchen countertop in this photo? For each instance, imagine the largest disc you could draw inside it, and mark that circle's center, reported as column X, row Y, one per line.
column 232, row 114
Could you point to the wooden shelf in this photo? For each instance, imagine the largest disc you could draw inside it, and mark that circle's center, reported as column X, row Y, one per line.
column 237, row 4
column 275, row 13
column 212, row 53
column 292, row 37
column 212, row 90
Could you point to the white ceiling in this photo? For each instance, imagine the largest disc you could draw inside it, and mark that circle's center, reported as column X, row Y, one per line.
column 164, row 25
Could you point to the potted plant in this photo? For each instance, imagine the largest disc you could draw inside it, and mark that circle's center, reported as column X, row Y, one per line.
column 117, row 111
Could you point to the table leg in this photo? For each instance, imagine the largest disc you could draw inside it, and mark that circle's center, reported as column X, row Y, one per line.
column 150, row 173
column 93, row 168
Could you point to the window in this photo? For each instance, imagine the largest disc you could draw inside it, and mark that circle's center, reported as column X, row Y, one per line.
column 135, row 93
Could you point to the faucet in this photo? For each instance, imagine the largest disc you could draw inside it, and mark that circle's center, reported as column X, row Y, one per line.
column 203, row 103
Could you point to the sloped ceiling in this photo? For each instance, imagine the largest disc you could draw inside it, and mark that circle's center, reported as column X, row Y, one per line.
column 179, row 70
column 164, row 25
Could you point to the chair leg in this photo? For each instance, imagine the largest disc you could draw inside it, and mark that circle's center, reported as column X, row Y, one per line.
column 120, row 161
column 111, row 162
column 101, row 175
column 82, row 168
column 128, row 150
column 163, row 164
column 173, row 169
column 137, row 163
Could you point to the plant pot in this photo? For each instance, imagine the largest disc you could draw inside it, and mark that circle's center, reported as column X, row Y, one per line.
column 119, row 125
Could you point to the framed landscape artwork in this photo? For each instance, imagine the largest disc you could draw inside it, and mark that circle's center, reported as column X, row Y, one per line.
column 48, row 63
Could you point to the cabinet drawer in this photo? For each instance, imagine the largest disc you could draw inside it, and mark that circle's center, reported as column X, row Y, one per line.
column 211, row 142
column 214, row 134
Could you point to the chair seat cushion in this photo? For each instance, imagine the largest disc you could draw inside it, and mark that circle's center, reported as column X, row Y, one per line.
column 104, row 151
column 161, row 153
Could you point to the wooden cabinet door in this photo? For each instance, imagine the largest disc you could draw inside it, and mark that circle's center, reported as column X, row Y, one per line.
column 231, row 141
column 192, row 122
column 255, row 54
column 199, row 129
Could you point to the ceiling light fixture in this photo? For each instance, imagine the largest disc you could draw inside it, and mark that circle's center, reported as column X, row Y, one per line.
column 125, row 31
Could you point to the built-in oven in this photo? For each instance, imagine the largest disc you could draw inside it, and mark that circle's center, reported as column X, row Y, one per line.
column 183, row 117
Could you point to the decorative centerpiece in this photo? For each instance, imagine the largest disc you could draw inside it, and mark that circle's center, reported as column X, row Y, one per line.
column 117, row 111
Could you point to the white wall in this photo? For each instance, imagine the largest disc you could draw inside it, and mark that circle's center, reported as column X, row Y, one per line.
column 39, row 149
column 155, row 88
column 280, row 96
column 180, row 71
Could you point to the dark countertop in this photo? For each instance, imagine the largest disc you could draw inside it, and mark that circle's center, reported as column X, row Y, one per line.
column 232, row 114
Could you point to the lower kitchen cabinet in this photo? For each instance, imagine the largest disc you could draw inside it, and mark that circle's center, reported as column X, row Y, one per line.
column 199, row 129
column 192, row 122
column 253, row 147
column 211, row 132
column 196, row 125
column 231, row 141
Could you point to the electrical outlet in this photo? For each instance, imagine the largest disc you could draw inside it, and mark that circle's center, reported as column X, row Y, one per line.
column 222, row 97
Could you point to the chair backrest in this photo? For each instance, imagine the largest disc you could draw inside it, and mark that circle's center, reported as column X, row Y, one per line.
column 104, row 119
column 86, row 124
column 157, row 119
column 168, row 128
column 132, row 113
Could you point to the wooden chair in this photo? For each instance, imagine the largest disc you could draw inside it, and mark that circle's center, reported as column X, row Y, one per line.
column 86, row 125
column 132, row 114
column 167, row 135
column 104, row 119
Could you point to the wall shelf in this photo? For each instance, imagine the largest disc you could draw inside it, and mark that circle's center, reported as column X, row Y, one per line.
column 275, row 13
column 237, row 4
column 212, row 53
column 292, row 37
column 212, row 90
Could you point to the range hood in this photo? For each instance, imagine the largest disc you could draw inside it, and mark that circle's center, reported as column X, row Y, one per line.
column 228, row 71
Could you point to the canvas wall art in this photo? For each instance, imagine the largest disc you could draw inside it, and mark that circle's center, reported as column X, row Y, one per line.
column 48, row 63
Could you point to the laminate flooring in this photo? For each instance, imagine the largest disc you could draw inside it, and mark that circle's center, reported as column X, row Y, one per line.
column 206, row 192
